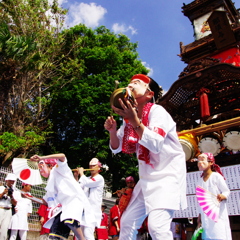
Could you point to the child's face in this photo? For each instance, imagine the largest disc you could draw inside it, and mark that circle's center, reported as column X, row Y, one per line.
column 27, row 188
column 130, row 184
column 203, row 162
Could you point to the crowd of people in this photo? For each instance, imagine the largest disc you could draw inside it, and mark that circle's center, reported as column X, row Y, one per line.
column 73, row 201
column 14, row 209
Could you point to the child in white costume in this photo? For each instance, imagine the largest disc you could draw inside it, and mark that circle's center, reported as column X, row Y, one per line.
column 93, row 188
column 62, row 188
column 150, row 132
column 213, row 181
column 19, row 221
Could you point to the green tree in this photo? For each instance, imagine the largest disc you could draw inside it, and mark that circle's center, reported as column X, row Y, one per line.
column 55, row 86
column 82, row 106
column 30, row 42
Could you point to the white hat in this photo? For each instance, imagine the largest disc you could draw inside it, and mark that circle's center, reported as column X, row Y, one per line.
column 11, row 176
column 94, row 161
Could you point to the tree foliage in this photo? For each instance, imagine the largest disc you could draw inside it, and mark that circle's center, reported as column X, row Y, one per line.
column 82, row 106
column 55, row 86
column 29, row 56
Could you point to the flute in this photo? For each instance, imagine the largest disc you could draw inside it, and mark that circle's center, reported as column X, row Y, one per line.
column 90, row 169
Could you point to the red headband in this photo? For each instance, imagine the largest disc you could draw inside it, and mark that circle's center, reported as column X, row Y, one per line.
column 24, row 184
column 214, row 166
column 130, row 178
column 50, row 161
column 142, row 77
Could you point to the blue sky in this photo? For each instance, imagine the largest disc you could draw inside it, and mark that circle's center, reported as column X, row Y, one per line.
column 158, row 26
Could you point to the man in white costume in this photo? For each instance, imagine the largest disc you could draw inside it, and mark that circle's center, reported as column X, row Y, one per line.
column 150, row 132
column 93, row 188
column 7, row 200
column 63, row 189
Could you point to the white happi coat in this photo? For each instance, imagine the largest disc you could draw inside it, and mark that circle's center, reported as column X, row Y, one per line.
column 163, row 181
column 93, row 188
column 64, row 189
column 220, row 229
column 19, row 220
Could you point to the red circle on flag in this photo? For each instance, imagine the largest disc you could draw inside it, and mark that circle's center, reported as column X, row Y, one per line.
column 25, row 174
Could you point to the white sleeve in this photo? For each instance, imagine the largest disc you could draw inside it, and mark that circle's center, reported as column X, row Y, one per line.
column 161, row 125
column 91, row 182
column 222, row 186
column 30, row 207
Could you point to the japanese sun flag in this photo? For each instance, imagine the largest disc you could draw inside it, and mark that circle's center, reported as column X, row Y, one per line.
column 27, row 171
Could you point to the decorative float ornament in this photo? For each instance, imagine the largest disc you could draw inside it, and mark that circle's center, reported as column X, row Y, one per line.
column 231, row 140
column 189, row 145
column 27, row 171
column 208, row 202
column 204, row 104
column 210, row 143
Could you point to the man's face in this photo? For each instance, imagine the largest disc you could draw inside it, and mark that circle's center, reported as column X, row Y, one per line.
column 10, row 183
column 138, row 87
column 203, row 162
column 44, row 169
column 94, row 167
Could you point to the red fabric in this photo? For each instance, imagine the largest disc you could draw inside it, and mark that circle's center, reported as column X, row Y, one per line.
column 144, row 227
column 142, row 77
column 183, row 233
column 130, row 137
column 160, row 131
column 42, row 212
column 130, row 179
column 125, row 199
column 231, row 56
column 114, row 216
column 50, row 161
column 204, row 105
column 102, row 233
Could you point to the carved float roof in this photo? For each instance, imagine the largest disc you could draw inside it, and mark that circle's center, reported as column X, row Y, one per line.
column 223, row 81
column 205, row 46
column 199, row 8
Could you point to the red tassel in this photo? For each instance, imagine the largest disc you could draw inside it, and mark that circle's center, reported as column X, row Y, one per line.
column 204, row 105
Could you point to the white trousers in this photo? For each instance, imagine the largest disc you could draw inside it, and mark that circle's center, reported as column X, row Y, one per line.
column 5, row 218
column 88, row 232
column 159, row 221
column 22, row 234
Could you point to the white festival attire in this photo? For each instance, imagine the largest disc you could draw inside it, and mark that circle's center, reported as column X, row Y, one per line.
column 63, row 189
column 6, row 212
column 19, row 221
column 161, row 188
column 93, row 188
column 219, row 230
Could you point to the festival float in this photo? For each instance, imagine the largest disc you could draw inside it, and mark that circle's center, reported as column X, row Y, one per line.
column 205, row 100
